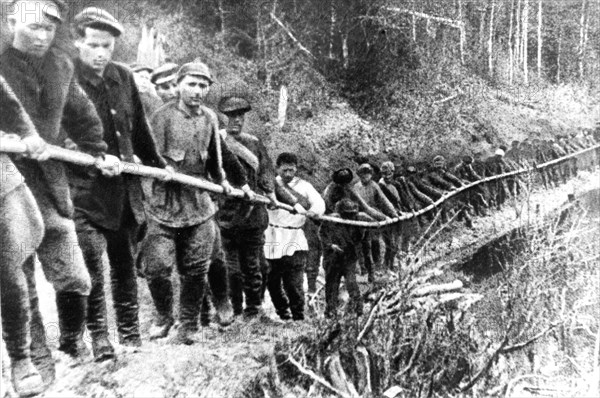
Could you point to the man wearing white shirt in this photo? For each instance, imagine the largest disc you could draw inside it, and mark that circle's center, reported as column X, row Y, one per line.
column 286, row 246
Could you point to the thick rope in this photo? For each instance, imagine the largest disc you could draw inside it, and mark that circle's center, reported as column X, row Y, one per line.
column 10, row 145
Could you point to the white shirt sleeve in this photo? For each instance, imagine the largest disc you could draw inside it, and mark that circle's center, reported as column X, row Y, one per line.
column 317, row 204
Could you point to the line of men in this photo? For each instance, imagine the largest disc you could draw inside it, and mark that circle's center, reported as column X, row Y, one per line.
column 72, row 215
column 69, row 216
column 402, row 189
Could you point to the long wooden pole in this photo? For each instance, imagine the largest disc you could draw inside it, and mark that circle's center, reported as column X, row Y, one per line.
column 66, row 155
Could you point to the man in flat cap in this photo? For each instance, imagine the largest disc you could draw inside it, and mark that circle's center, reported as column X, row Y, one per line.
column 164, row 79
column 150, row 99
column 109, row 210
column 243, row 224
column 182, row 228
column 21, row 231
column 51, row 95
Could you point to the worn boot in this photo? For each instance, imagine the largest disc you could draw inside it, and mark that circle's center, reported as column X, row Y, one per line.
column 97, row 324
column 41, row 356
column 125, row 300
column 72, row 311
column 206, row 310
column 161, row 290
column 218, row 278
column 192, row 292
column 26, row 379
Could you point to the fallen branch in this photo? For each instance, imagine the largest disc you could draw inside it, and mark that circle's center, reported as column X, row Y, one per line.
column 489, row 362
column 442, row 288
column 292, row 37
column 370, row 319
column 338, row 376
column 516, row 347
column 450, row 98
column 317, row 378
column 447, row 21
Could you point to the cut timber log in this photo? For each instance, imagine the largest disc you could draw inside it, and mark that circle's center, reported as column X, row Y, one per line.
column 433, row 289
column 338, row 377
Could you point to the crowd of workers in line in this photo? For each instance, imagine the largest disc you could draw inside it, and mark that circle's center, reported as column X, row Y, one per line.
column 227, row 252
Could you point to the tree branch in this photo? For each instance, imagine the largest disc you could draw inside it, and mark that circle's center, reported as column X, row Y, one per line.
column 292, row 37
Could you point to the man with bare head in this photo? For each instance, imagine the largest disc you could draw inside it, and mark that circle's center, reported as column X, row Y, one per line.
column 44, row 82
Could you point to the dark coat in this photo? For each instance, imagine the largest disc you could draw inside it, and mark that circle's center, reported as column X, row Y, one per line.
column 102, row 199
column 59, row 108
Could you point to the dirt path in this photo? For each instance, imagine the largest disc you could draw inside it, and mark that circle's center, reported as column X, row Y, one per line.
column 222, row 363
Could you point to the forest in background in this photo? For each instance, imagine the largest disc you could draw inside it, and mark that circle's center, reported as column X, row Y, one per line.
column 385, row 79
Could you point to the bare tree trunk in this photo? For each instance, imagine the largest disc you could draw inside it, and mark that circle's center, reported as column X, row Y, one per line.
column 345, row 50
column 491, row 41
column 414, row 23
column 511, row 71
column 539, row 40
column 222, row 18
column 524, row 36
column 461, row 33
column 481, row 30
column 582, row 35
column 559, row 51
column 331, row 27
column 518, row 30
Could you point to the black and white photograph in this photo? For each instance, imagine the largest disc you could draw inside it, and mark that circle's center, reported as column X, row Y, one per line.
column 300, row 198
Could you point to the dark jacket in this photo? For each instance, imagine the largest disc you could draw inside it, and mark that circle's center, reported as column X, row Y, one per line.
column 126, row 131
column 59, row 108
column 241, row 215
column 14, row 120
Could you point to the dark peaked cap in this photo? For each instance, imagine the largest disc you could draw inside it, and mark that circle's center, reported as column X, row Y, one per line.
column 97, row 18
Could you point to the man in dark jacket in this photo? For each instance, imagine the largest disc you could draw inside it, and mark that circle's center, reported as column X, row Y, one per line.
column 45, row 83
column 341, row 245
column 109, row 210
column 21, row 227
column 243, row 224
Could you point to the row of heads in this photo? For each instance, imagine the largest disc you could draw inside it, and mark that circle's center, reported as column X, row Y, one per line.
column 100, row 19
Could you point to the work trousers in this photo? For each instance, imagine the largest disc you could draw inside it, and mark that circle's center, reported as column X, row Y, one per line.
column 243, row 253
column 286, row 285
column 121, row 247
column 21, row 229
column 338, row 265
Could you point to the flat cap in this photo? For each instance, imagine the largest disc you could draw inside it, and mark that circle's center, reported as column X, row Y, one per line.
column 194, row 69
column 135, row 67
column 53, row 9
column 439, row 159
column 387, row 167
column 234, row 104
column 164, row 73
column 98, row 18
column 342, row 176
column 346, row 206
column 468, row 159
column 364, row 169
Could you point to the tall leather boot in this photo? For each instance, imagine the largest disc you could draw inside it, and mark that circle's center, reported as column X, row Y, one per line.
column 161, row 291
column 97, row 324
column 41, row 356
column 72, row 312
column 125, row 300
column 218, row 278
column 192, row 292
